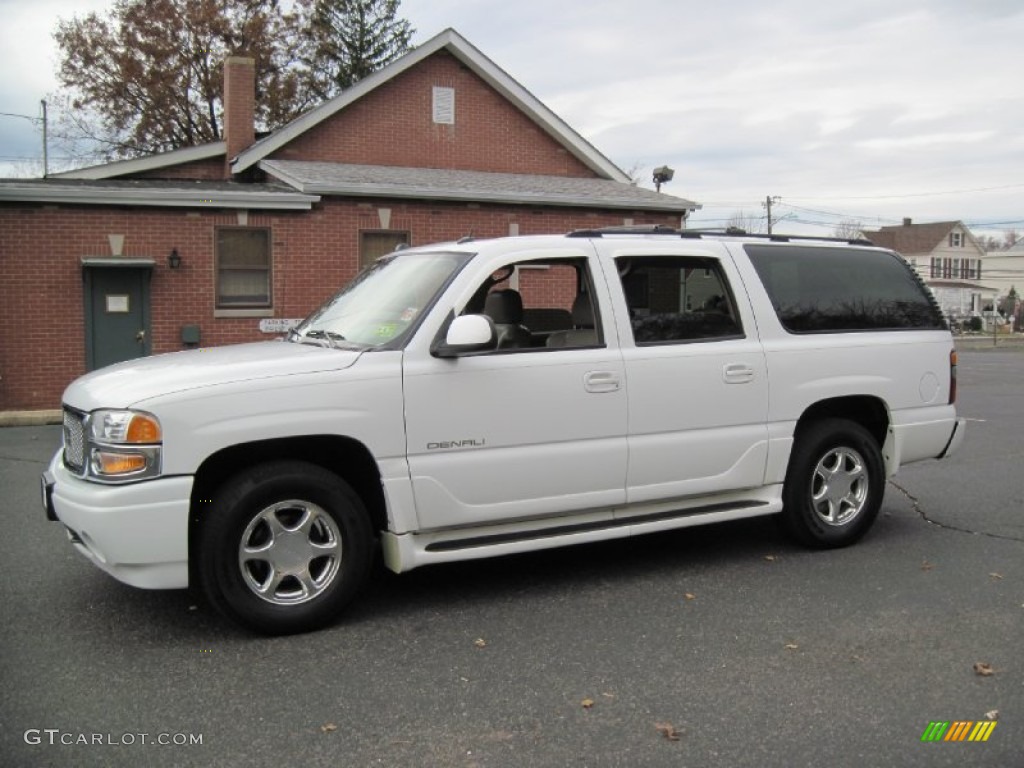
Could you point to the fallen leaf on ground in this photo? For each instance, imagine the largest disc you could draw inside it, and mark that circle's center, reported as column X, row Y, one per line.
column 983, row 668
column 690, row 596
column 587, row 703
column 770, row 558
column 995, row 576
column 480, row 643
column 608, row 695
column 926, row 566
column 791, row 646
column 668, row 731
column 328, row 727
column 992, row 715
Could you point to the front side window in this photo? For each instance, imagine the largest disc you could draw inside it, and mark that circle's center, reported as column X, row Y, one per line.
column 677, row 299
column 540, row 304
column 823, row 290
column 384, row 304
column 243, row 268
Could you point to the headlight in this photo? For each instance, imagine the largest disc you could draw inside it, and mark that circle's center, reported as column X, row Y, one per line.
column 123, row 445
column 131, row 427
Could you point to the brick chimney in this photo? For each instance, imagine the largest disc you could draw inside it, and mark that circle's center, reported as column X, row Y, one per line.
column 239, row 106
column 907, row 222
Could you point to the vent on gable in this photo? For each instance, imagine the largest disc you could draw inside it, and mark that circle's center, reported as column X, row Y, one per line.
column 444, row 105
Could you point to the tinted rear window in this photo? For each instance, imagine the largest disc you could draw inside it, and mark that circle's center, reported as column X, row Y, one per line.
column 821, row 290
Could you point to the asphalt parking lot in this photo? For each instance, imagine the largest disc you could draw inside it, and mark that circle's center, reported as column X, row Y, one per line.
column 717, row 646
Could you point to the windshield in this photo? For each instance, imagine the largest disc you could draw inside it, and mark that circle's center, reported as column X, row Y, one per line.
column 383, row 302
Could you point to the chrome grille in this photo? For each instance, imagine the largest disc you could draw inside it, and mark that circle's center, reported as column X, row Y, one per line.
column 74, row 441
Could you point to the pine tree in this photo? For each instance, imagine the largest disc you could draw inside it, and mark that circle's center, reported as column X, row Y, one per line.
column 350, row 39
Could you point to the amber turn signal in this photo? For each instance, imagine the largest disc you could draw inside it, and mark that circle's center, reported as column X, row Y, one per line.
column 143, row 429
column 106, row 463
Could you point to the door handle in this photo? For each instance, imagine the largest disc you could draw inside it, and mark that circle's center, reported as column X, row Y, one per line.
column 601, row 381
column 737, row 373
column 141, row 336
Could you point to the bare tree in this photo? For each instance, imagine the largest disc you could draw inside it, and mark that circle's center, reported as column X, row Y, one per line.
column 849, row 229
column 748, row 222
column 635, row 172
column 146, row 76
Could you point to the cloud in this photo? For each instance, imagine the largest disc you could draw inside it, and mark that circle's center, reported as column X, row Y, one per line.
column 797, row 98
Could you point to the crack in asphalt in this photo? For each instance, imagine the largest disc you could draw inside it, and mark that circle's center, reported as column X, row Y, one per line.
column 916, row 504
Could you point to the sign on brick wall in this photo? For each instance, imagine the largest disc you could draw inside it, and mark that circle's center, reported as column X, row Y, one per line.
column 278, row 324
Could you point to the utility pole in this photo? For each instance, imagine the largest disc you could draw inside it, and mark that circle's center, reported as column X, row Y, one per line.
column 769, row 201
column 46, row 165
column 36, row 120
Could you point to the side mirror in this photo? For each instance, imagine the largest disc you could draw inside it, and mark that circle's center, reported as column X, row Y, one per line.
column 467, row 334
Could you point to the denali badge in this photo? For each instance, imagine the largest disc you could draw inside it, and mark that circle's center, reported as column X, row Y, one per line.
column 456, row 444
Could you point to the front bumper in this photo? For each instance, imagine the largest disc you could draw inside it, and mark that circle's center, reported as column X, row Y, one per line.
column 137, row 533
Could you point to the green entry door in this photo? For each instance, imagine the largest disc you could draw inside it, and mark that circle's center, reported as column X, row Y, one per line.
column 117, row 314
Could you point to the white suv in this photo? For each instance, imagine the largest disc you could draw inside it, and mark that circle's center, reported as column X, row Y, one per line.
column 482, row 398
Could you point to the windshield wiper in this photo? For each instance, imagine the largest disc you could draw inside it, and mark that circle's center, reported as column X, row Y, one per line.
column 328, row 336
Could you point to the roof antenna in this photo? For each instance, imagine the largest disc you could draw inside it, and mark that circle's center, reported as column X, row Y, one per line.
column 466, row 238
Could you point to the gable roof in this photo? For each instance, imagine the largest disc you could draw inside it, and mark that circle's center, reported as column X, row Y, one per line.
column 476, row 62
column 147, row 163
column 322, row 178
column 914, row 239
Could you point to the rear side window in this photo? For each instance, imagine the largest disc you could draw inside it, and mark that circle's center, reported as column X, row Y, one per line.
column 677, row 299
column 822, row 290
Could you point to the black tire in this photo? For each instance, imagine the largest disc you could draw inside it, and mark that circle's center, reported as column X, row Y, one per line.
column 825, row 510
column 285, row 546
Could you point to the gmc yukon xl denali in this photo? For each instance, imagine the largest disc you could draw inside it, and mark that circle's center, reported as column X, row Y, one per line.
column 483, row 398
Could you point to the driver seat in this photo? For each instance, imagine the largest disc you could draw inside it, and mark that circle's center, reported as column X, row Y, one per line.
column 505, row 308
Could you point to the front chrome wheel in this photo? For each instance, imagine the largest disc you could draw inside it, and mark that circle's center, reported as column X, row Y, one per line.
column 290, row 552
column 283, row 546
column 839, row 486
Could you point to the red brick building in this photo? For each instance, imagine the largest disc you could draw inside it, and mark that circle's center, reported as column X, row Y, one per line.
column 227, row 241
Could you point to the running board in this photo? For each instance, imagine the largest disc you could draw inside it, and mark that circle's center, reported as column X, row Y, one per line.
column 566, row 530
column 403, row 552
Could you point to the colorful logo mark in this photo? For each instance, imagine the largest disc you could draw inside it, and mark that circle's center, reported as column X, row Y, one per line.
column 959, row 730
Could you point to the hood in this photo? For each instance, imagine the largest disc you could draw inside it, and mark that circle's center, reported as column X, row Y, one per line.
column 126, row 384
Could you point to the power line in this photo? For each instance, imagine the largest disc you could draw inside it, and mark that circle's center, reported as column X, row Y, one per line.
column 914, row 194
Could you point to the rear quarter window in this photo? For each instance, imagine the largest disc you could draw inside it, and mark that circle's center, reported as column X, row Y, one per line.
column 832, row 290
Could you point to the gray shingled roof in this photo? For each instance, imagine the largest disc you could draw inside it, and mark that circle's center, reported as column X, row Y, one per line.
column 153, row 192
column 321, row 178
column 918, row 239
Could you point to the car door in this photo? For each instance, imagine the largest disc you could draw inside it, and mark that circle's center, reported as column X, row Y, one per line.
column 698, row 385
column 528, row 431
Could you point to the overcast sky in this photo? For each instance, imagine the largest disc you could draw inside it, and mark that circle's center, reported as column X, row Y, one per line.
column 871, row 110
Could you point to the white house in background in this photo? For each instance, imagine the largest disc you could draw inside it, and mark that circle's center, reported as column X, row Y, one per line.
column 1005, row 269
column 948, row 258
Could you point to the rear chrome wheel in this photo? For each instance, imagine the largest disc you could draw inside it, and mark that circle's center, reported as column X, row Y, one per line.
column 834, row 484
column 839, row 487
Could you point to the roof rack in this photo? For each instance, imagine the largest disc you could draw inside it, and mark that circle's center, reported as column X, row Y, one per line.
column 697, row 234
